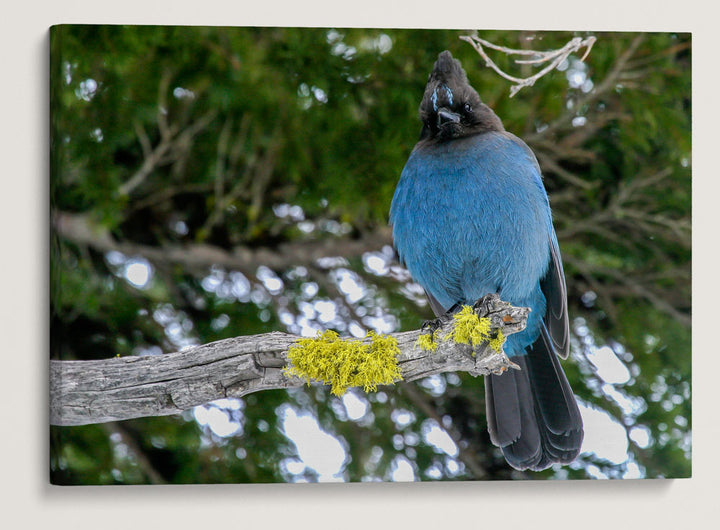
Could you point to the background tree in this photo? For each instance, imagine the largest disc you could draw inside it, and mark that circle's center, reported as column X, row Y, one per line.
column 214, row 182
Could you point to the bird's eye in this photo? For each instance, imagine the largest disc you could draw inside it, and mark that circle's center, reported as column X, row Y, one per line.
column 468, row 108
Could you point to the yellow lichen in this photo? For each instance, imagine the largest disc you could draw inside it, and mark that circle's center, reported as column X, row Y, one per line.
column 428, row 341
column 473, row 330
column 343, row 363
column 467, row 328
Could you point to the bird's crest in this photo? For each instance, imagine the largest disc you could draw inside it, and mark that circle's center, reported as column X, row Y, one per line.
column 447, row 85
column 447, row 69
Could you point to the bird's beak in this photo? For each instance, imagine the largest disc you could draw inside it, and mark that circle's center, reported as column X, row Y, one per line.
column 446, row 116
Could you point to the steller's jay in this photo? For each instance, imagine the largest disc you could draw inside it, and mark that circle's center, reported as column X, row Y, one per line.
column 470, row 216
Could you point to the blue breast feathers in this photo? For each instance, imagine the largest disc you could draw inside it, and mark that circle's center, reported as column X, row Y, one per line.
column 471, row 217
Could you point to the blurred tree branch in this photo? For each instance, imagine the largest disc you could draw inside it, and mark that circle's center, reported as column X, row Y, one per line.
column 629, row 219
column 175, row 139
column 83, row 392
column 606, row 85
column 466, row 454
column 81, row 230
column 173, row 144
column 129, row 439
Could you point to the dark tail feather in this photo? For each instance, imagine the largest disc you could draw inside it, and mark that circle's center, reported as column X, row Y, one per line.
column 532, row 413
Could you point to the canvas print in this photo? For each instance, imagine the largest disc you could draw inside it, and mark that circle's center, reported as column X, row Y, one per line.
column 365, row 255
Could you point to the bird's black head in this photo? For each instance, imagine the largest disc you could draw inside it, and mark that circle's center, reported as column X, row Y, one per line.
column 451, row 108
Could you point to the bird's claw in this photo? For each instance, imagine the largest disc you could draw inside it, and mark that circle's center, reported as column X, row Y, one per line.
column 486, row 304
column 433, row 325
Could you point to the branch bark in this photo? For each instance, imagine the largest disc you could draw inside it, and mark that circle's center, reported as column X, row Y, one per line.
column 84, row 392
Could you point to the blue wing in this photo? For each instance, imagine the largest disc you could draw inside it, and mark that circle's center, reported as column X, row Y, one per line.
column 555, row 291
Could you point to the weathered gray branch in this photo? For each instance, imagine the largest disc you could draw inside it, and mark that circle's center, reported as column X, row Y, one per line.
column 84, row 392
column 553, row 57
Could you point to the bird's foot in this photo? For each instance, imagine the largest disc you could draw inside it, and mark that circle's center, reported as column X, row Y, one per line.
column 502, row 314
column 487, row 304
column 433, row 325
